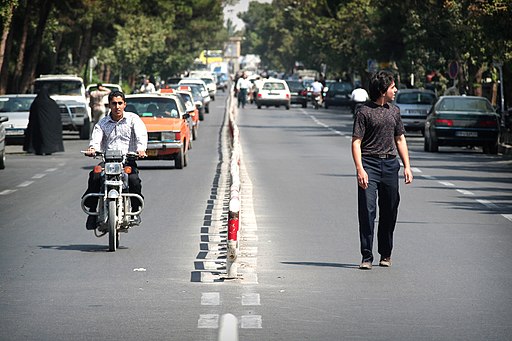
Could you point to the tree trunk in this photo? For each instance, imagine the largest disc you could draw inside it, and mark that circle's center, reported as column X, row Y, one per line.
column 30, row 67
column 18, row 70
column 5, row 34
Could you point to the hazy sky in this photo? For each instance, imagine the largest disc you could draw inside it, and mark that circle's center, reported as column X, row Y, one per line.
column 232, row 11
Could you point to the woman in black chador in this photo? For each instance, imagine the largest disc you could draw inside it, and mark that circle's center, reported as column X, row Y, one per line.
column 44, row 130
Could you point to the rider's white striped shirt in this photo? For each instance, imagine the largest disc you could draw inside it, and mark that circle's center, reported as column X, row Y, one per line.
column 129, row 134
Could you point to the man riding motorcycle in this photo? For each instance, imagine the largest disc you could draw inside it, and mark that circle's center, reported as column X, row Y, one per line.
column 118, row 130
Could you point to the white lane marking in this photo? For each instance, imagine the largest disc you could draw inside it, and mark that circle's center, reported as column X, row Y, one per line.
column 25, row 183
column 251, row 299
column 8, row 191
column 430, row 177
column 250, row 322
column 39, row 176
column 465, row 192
column 208, row 321
column 508, row 216
column 487, row 203
column 416, row 170
column 51, row 170
column 446, row 183
column 210, row 298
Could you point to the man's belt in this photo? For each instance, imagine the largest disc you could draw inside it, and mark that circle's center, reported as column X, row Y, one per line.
column 381, row 156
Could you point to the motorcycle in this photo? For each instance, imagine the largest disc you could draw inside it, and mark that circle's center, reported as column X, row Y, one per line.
column 317, row 100
column 115, row 214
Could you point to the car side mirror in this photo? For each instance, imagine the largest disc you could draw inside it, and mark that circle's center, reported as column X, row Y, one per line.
column 4, row 119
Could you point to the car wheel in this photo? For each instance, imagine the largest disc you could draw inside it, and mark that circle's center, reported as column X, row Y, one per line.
column 179, row 159
column 201, row 115
column 425, row 145
column 326, row 106
column 287, row 107
column 2, row 160
column 259, row 106
column 194, row 132
column 304, row 105
column 207, row 109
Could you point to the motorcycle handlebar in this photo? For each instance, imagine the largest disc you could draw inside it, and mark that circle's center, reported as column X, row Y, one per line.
column 98, row 153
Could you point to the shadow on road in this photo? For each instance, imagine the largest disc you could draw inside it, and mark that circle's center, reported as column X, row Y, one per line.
column 332, row 265
column 78, row 247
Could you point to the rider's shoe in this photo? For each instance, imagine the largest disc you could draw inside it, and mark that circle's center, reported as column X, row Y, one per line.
column 92, row 222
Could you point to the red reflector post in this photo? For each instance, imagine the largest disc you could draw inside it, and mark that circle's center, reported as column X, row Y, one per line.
column 97, row 169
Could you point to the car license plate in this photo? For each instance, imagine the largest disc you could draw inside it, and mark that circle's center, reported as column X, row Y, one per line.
column 466, row 133
column 415, row 112
column 14, row 132
column 152, row 152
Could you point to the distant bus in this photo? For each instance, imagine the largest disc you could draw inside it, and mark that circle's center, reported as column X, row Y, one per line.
column 211, row 56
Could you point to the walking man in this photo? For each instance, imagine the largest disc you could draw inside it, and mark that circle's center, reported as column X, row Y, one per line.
column 377, row 138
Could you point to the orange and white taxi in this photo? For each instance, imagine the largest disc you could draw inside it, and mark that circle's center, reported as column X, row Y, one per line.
column 185, row 93
column 166, row 120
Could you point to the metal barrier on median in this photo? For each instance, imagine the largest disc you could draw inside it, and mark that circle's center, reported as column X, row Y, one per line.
column 234, row 201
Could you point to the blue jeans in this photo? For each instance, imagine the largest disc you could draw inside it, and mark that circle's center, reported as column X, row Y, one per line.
column 382, row 183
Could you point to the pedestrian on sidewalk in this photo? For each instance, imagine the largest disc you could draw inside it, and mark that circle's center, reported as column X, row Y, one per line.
column 378, row 136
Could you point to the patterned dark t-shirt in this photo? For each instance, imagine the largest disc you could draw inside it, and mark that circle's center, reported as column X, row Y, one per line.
column 378, row 126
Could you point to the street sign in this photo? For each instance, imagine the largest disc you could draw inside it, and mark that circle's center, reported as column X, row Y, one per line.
column 453, row 69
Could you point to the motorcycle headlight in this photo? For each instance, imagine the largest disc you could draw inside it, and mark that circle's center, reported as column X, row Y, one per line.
column 113, row 168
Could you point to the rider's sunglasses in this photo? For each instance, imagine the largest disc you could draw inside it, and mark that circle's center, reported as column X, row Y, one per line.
column 118, row 103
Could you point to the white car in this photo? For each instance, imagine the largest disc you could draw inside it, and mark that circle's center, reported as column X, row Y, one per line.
column 204, row 90
column 209, row 78
column 17, row 109
column 69, row 93
column 273, row 92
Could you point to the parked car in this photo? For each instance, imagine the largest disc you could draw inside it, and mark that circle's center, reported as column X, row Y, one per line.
column 17, row 109
column 2, row 141
column 414, row 105
column 462, row 121
column 69, row 93
column 273, row 92
column 204, row 90
column 166, row 118
column 338, row 94
column 298, row 92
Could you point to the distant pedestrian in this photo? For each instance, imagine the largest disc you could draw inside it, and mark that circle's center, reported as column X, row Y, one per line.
column 243, row 86
column 377, row 137
column 97, row 102
column 147, row 87
column 43, row 135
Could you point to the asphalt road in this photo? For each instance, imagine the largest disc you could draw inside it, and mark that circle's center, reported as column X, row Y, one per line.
column 450, row 278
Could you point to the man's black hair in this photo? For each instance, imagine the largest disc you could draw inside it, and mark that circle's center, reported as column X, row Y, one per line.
column 116, row 93
column 379, row 84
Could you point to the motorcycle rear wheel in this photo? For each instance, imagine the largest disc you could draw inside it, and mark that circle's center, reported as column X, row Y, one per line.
column 113, row 235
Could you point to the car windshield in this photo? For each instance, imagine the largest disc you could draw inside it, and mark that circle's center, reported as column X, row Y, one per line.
column 153, row 107
column 19, row 104
column 465, row 104
column 59, row 87
column 347, row 87
column 273, row 86
column 415, row 98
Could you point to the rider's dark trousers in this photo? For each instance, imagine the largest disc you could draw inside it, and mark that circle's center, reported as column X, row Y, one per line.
column 382, row 185
column 94, row 186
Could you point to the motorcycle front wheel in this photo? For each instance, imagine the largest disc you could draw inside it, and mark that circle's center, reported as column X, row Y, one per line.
column 113, row 235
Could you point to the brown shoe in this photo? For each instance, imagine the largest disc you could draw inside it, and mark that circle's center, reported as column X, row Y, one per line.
column 385, row 262
column 365, row 266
